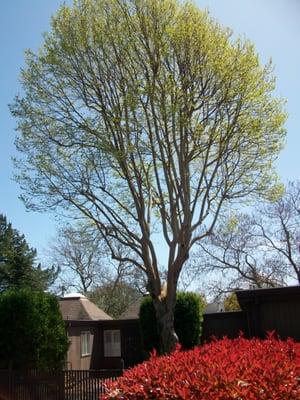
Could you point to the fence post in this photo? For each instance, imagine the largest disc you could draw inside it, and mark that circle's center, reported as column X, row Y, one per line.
column 122, row 365
column 61, row 379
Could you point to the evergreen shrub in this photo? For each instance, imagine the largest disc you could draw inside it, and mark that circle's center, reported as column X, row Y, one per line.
column 32, row 331
column 188, row 317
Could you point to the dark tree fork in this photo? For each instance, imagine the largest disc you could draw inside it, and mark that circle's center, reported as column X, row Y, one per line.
column 146, row 117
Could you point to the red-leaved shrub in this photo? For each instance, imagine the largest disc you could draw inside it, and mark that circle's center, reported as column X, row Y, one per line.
column 239, row 369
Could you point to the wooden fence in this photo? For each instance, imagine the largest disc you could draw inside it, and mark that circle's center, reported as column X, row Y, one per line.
column 264, row 310
column 56, row 385
column 221, row 324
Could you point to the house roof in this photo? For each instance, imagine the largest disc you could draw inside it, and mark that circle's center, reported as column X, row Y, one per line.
column 132, row 312
column 74, row 295
column 77, row 307
column 214, row 307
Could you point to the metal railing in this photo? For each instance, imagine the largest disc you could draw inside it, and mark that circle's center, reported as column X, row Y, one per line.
column 55, row 385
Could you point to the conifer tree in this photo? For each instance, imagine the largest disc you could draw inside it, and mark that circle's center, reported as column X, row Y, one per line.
column 17, row 262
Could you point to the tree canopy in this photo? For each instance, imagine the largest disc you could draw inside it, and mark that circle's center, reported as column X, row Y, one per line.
column 80, row 256
column 85, row 265
column 115, row 297
column 231, row 302
column 147, row 117
column 17, row 262
column 260, row 249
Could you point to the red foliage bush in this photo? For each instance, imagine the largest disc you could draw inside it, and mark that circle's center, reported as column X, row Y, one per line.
column 226, row 369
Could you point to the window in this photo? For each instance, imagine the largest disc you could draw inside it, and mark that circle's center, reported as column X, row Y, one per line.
column 85, row 344
column 112, row 343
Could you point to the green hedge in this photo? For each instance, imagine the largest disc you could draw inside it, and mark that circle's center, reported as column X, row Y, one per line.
column 32, row 331
column 188, row 317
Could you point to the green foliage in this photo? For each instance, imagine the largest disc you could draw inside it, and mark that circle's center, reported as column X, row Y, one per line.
column 231, row 303
column 114, row 298
column 148, row 325
column 188, row 317
column 102, row 65
column 32, row 331
column 147, row 117
column 17, row 269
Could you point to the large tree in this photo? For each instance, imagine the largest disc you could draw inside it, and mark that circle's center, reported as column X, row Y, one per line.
column 236, row 257
column 261, row 249
column 84, row 262
column 18, row 267
column 278, row 227
column 81, row 257
column 148, row 118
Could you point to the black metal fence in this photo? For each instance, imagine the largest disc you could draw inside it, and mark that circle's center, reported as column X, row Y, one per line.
column 87, row 385
column 56, row 385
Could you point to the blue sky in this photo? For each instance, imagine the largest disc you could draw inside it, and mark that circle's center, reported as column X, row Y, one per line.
column 272, row 25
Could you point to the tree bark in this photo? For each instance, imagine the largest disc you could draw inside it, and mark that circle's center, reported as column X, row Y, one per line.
column 164, row 309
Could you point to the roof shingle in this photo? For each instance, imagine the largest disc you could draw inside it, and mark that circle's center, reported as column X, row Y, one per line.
column 79, row 308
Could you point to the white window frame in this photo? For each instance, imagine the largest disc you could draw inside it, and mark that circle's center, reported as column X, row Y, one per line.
column 85, row 343
column 112, row 342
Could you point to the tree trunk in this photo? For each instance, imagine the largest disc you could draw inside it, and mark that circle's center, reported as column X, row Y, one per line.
column 298, row 275
column 164, row 309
